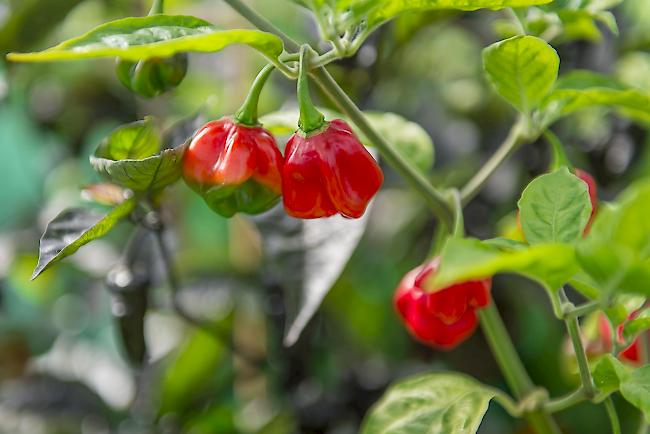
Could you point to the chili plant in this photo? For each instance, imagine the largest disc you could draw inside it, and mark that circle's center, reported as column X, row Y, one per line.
column 565, row 237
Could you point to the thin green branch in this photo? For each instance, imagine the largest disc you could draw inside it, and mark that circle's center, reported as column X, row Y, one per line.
column 613, row 416
column 564, row 402
column 582, row 310
column 515, row 138
column 511, row 366
column 573, row 328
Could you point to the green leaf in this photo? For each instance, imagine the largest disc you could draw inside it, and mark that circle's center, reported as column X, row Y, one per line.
column 636, row 326
column 126, row 157
column 607, row 373
column 616, row 253
column 523, row 70
column 153, row 36
column 133, row 141
column 635, row 388
column 555, row 208
column 582, row 89
column 409, row 138
column 470, row 259
column 430, row 404
column 73, row 228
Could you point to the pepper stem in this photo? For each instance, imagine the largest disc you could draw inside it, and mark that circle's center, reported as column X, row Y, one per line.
column 157, row 7
column 558, row 156
column 247, row 113
column 310, row 118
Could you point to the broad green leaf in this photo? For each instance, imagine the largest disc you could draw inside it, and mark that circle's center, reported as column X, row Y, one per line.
column 430, row 404
column 608, row 373
column 469, row 259
column 409, row 138
column 616, row 253
column 132, row 141
column 127, row 157
column 635, row 388
column 636, row 326
column 73, row 228
column 555, row 208
column 582, row 89
column 523, row 70
column 153, row 36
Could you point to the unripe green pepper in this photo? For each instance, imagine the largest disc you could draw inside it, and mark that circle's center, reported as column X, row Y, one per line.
column 151, row 77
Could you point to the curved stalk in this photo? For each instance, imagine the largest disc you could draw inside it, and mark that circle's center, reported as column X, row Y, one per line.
column 247, row 114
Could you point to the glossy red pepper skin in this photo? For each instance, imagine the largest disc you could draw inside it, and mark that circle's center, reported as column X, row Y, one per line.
column 328, row 172
column 630, row 354
column 234, row 167
column 441, row 319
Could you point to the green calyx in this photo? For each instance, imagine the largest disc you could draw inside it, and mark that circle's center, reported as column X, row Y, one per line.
column 310, row 118
column 247, row 114
column 251, row 197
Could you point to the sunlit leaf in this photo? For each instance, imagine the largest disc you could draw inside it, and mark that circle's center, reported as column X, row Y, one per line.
column 153, row 36
column 523, row 70
column 430, row 404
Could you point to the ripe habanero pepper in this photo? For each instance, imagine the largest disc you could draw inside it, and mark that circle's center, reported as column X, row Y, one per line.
column 326, row 168
column 444, row 318
column 234, row 163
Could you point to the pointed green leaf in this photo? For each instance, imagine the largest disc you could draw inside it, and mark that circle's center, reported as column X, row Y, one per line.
column 127, row 157
column 73, row 228
column 608, row 372
column 139, row 38
column 635, row 388
column 430, row 404
column 555, row 208
column 469, row 259
column 522, row 69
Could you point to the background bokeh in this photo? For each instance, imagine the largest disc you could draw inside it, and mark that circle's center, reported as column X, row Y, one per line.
column 62, row 365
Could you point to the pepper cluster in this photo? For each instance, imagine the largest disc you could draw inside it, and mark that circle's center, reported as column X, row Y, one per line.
column 236, row 166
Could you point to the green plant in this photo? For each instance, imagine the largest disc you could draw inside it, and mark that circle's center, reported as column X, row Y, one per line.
column 607, row 265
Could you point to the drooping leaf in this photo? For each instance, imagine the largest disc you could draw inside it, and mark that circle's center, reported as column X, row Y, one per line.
column 469, row 259
column 306, row 258
column 430, row 404
column 127, row 157
column 635, row 388
column 636, row 326
column 555, row 208
column 582, row 89
column 608, row 373
column 409, row 138
column 73, row 228
column 616, row 253
column 153, row 36
column 523, row 70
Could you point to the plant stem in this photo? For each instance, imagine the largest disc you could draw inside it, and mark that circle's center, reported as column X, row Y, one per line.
column 515, row 138
column 310, row 118
column 511, row 366
column 564, row 402
column 582, row 310
column 434, row 198
column 613, row 416
column 157, row 7
column 247, row 114
column 573, row 328
column 519, row 19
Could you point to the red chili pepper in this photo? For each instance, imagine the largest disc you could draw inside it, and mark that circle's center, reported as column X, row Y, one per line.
column 441, row 319
column 328, row 172
column 235, row 167
column 633, row 352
